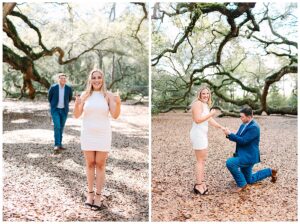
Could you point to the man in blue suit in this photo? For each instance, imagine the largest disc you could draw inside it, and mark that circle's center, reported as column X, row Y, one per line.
column 247, row 153
column 59, row 97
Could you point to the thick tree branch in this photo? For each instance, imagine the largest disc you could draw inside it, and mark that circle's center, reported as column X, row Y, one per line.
column 274, row 78
column 25, row 64
column 8, row 7
column 240, row 83
column 187, row 31
column 27, row 21
column 11, row 32
column 140, row 23
column 218, row 75
column 284, row 40
column 238, row 102
column 62, row 53
column 198, row 9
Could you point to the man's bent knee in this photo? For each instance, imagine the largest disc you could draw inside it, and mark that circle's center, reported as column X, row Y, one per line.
column 229, row 163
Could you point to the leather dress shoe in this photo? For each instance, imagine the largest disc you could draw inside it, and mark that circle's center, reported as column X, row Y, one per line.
column 274, row 176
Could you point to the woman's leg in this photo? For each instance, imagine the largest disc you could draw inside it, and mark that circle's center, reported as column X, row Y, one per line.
column 100, row 174
column 201, row 156
column 90, row 162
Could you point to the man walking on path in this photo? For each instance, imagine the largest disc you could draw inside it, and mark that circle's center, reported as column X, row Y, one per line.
column 59, row 97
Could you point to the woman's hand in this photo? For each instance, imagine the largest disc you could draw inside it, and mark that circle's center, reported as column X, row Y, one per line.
column 213, row 112
column 114, row 102
column 78, row 107
column 227, row 131
column 78, row 100
column 114, row 97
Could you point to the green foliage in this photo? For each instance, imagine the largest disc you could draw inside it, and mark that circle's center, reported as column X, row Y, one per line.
column 293, row 101
column 244, row 58
column 75, row 28
column 275, row 98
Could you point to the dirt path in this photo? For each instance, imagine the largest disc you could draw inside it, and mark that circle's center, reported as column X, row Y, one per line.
column 173, row 173
column 40, row 186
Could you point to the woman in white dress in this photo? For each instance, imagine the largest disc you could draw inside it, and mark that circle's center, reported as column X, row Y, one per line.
column 198, row 134
column 94, row 105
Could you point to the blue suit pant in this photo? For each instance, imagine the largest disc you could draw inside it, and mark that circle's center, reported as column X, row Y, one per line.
column 59, row 117
column 243, row 175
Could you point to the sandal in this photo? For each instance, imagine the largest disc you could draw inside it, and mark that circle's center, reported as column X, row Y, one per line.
column 86, row 203
column 196, row 191
column 97, row 207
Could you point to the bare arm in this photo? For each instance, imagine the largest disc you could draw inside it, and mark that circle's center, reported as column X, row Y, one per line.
column 197, row 109
column 215, row 124
column 78, row 107
column 114, row 103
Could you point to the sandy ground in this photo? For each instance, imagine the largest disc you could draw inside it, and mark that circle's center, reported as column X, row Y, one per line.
column 41, row 186
column 173, row 173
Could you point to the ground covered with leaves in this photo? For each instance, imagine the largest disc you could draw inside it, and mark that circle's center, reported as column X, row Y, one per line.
column 173, row 173
column 42, row 186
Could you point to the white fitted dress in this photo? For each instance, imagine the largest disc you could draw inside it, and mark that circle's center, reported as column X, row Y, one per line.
column 95, row 129
column 198, row 133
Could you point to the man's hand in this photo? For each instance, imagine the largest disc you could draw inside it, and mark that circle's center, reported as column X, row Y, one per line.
column 226, row 131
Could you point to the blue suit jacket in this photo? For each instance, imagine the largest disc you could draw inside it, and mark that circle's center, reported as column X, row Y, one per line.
column 53, row 95
column 247, row 143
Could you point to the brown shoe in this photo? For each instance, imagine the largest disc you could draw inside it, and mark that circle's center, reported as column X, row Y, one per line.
column 62, row 148
column 239, row 189
column 274, row 176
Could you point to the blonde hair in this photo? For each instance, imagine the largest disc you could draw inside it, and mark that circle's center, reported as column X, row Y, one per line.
column 89, row 88
column 209, row 102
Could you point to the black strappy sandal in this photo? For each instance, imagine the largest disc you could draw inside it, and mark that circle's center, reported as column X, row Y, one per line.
column 97, row 207
column 196, row 191
column 87, row 203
